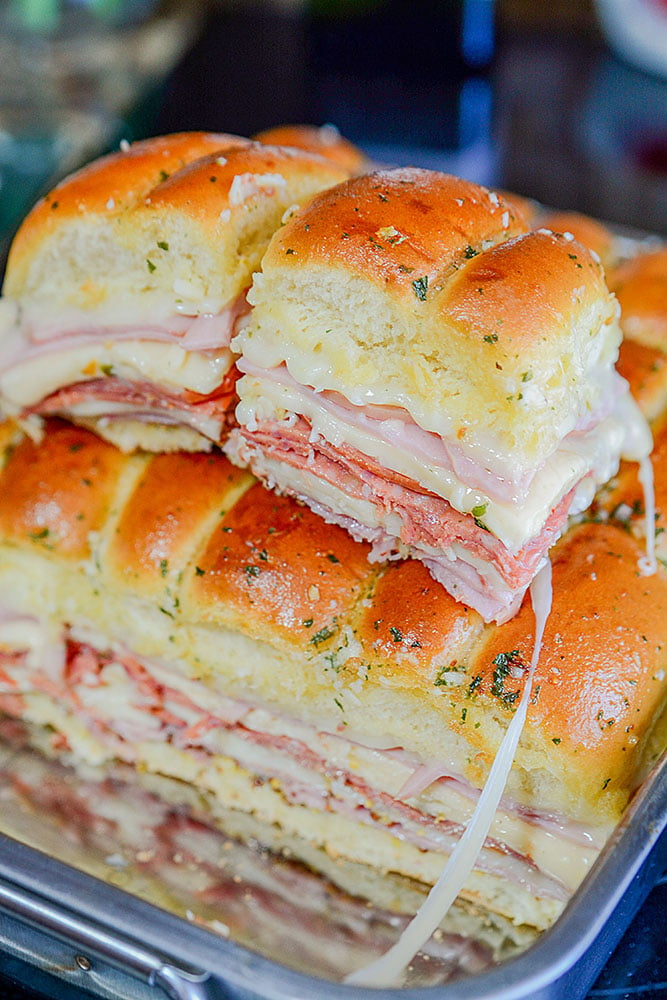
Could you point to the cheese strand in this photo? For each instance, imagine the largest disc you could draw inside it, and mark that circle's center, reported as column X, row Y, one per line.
column 388, row 969
column 648, row 564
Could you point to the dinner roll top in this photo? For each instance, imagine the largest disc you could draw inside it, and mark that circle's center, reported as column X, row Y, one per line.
column 640, row 284
column 590, row 232
column 415, row 289
column 324, row 139
column 174, row 227
column 97, row 193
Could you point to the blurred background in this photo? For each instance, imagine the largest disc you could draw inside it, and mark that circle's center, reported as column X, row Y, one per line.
column 564, row 101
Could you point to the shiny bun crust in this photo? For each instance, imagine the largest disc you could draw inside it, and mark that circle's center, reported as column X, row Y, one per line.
column 645, row 369
column 181, row 219
column 108, row 186
column 417, row 289
column 325, row 140
column 640, row 284
column 188, row 554
column 590, row 232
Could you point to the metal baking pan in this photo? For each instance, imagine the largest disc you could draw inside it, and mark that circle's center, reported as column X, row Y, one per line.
column 73, row 929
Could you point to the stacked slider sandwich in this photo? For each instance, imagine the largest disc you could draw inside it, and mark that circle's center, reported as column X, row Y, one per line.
column 125, row 284
column 170, row 612
column 425, row 370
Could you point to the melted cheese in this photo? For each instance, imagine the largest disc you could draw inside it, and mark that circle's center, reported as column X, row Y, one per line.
column 112, row 697
column 595, row 452
column 389, row 967
column 648, row 564
column 170, row 365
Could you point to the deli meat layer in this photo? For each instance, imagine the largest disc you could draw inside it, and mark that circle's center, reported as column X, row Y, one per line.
column 169, row 612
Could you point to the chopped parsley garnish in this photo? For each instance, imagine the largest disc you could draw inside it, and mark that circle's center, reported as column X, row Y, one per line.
column 322, row 635
column 37, row 535
column 475, row 684
column 396, row 633
column 503, row 663
column 478, row 513
column 420, row 287
column 391, row 234
column 442, row 678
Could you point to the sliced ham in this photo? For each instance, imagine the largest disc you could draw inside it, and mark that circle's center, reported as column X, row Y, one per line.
column 108, row 369
column 202, row 332
column 126, row 703
column 115, row 398
column 395, row 425
column 430, row 528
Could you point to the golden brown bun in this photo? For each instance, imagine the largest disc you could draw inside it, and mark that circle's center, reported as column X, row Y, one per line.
column 600, row 678
column 58, row 509
column 161, row 222
column 640, row 284
column 645, row 368
column 421, row 290
column 592, row 234
column 528, row 208
column 325, row 140
column 107, row 186
column 182, row 555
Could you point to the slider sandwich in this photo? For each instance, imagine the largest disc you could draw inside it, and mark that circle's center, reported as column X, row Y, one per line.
column 422, row 369
column 169, row 613
column 125, row 283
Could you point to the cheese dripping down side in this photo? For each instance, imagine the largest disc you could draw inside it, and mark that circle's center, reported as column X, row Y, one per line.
column 389, row 968
column 638, row 447
column 648, row 564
